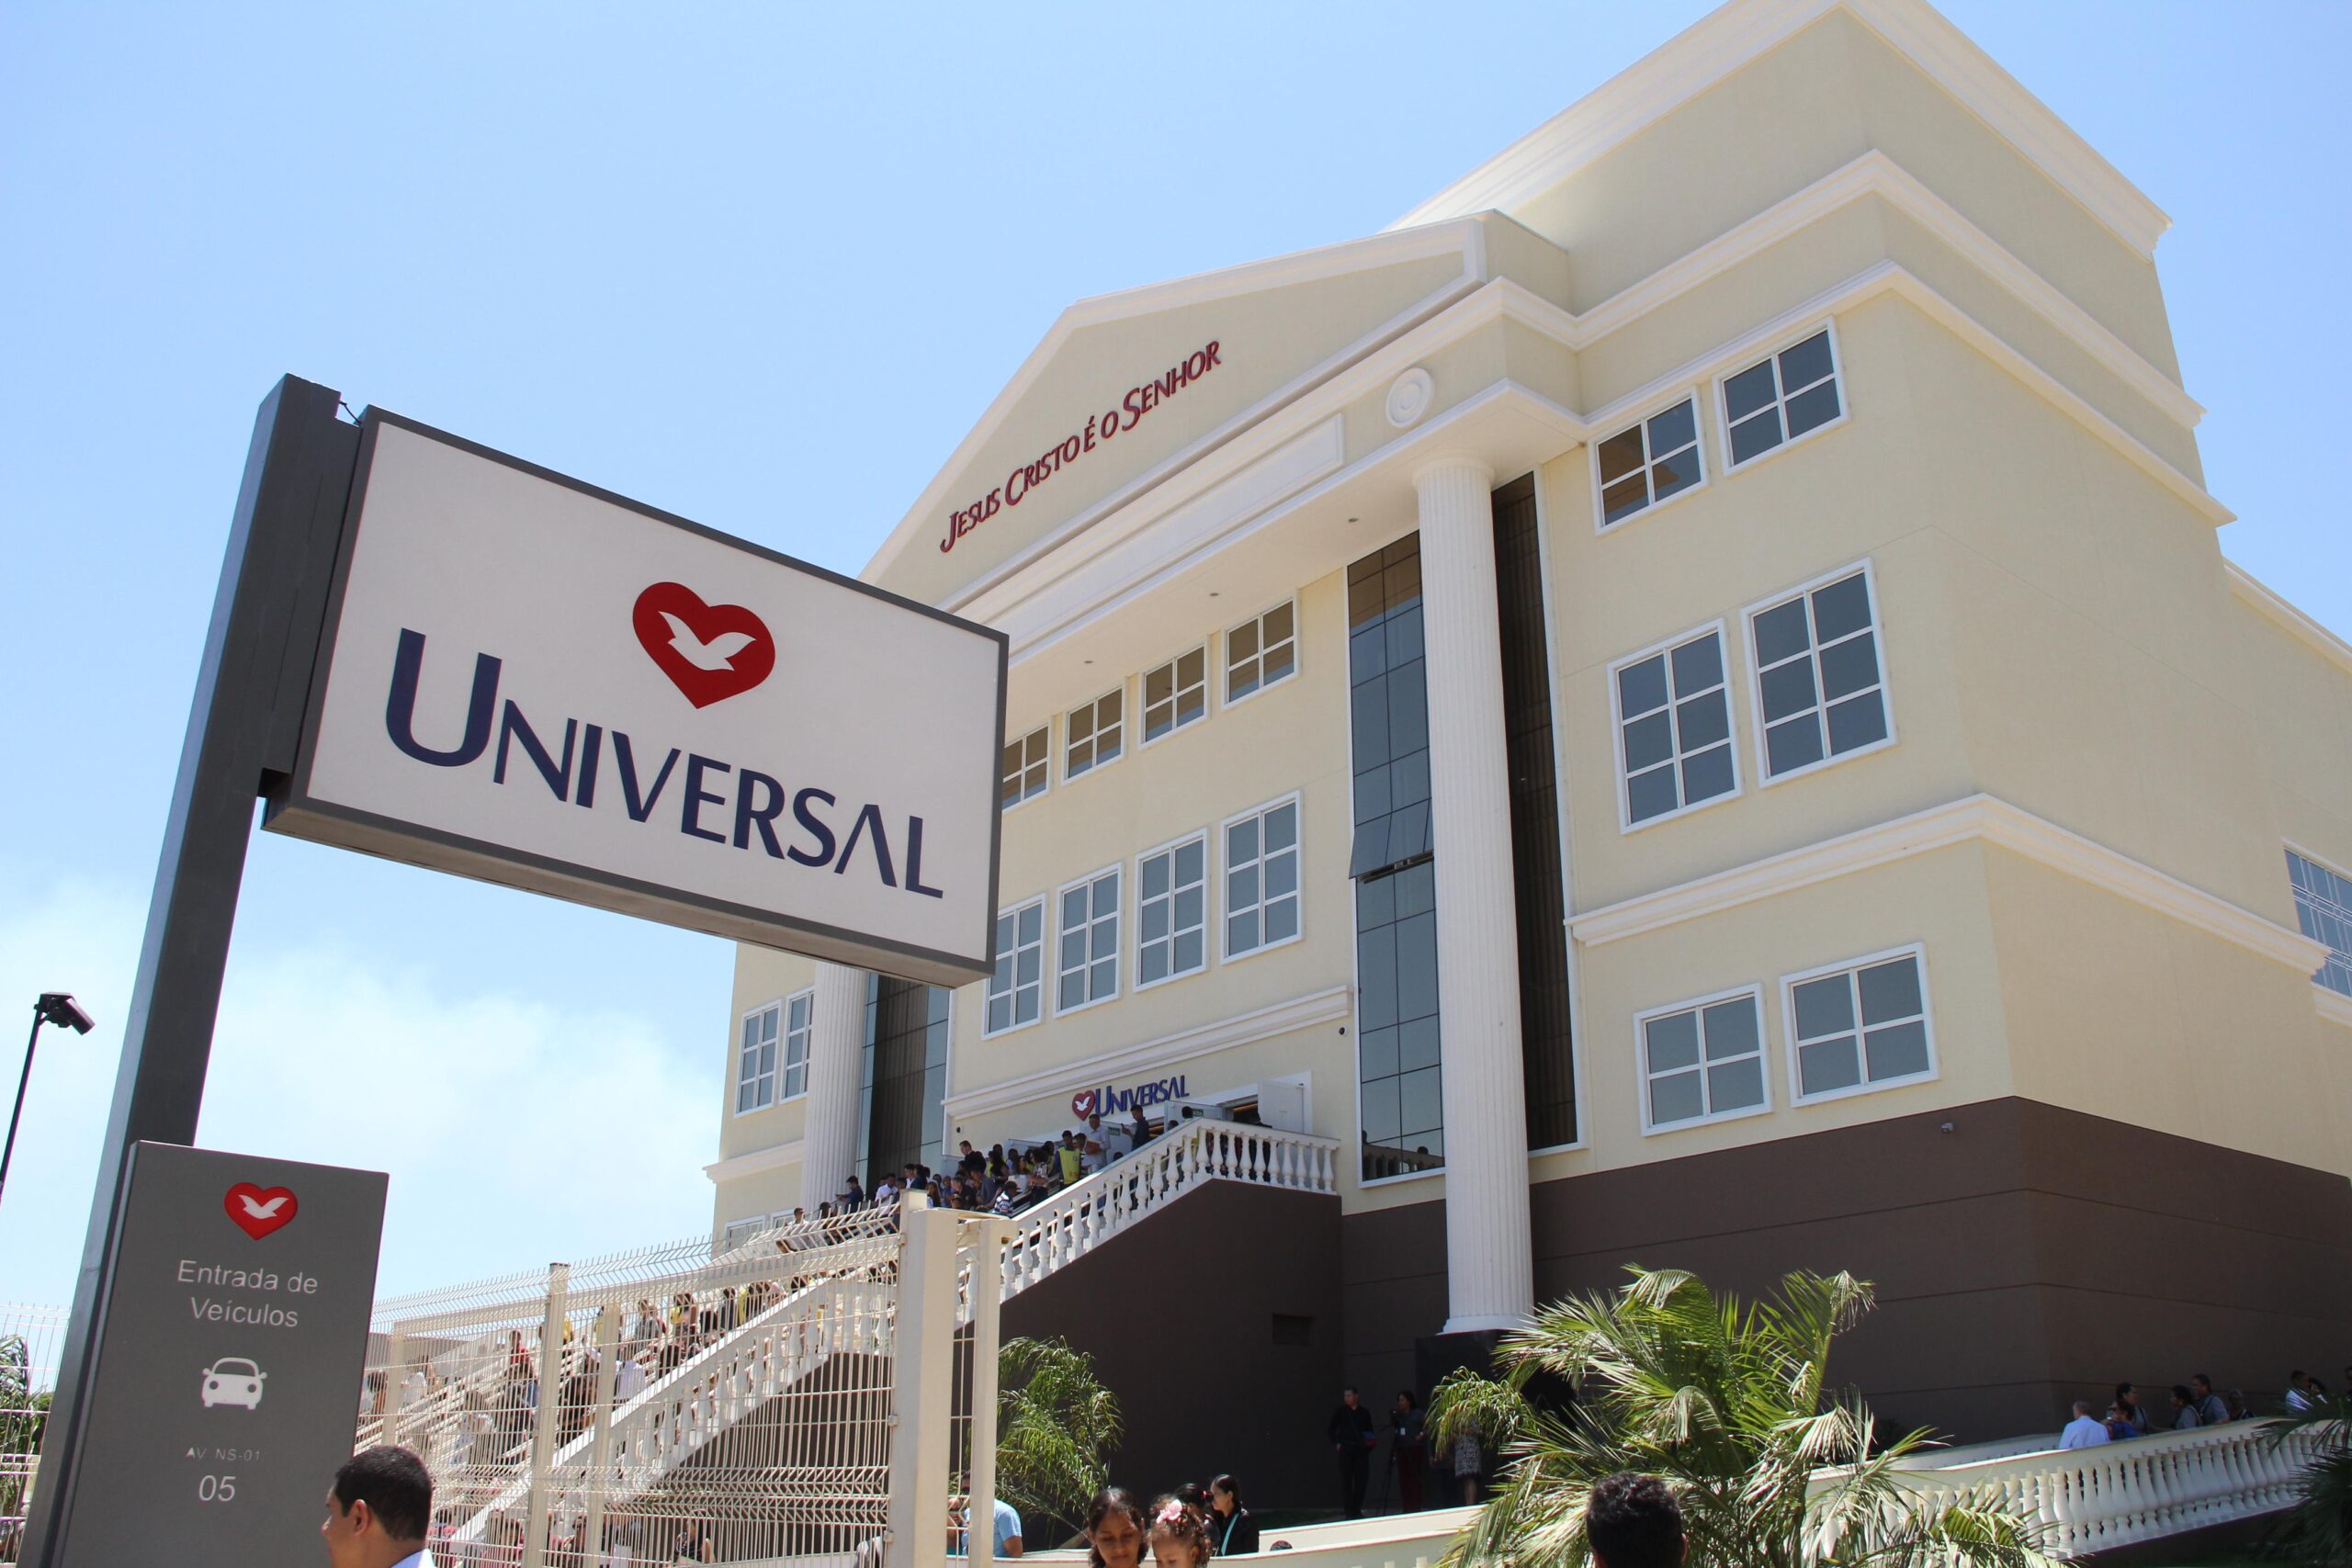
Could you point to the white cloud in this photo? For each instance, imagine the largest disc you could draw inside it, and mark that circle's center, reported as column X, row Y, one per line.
column 517, row 1131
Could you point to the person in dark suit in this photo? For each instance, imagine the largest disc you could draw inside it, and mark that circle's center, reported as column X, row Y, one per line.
column 1350, row 1431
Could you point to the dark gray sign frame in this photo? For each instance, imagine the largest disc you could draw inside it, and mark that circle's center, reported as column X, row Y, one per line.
column 257, row 690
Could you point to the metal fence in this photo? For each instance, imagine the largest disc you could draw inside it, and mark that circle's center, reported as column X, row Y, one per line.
column 802, row 1394
column 29, row 1339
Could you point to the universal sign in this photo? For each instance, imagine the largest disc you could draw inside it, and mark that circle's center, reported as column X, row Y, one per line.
column 1108, row 1101
column 530, row 680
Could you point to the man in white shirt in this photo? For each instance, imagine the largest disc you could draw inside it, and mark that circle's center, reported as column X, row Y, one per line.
column 2085, row 1431
column 628, row 1380
column 378, row 1510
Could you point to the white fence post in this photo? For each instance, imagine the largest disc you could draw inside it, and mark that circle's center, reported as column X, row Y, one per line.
column 535, row 1513
column 608, row 1334
column 922, row 1386
column 988, row 1302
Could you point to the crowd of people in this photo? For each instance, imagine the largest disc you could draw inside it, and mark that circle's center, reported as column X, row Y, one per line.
column 1005, row 1178
column 2196, row 1403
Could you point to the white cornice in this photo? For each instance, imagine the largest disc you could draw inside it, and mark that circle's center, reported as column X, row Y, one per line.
column 1729, row 37
column 1000, row 600
column 758, row 1160
column 2301, row 627
column 1242, row 1029
column 1979, row 818
column 2333, row 1006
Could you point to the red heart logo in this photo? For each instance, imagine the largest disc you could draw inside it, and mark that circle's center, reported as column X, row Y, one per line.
column 710, row 652
column 1082, row 1104
column 259, row 1211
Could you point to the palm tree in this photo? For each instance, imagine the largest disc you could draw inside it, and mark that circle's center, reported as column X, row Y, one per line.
column 1730, row 1404
column 1057, row 1427
column 2318, row 1529
column 23, row 1413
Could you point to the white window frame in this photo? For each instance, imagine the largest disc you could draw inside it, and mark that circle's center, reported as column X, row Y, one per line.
column 1046, row 944
column 1721, row 627
column 1208, row 907
column 1125, row 739
column 1118, row 914
column 1143, row 689
column 1748, row 362
column 735, row 1233
column 1642, row 1075
column 1694, row 394
column 1047, row 729
column 1765, row 776
column 784, row 1045
column 775, row 1080
column 1224, row 653
column 1295, row 799
column 2331, row 868
column 1917, row 953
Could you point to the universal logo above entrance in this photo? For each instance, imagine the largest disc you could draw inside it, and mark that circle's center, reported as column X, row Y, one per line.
column 533, row 682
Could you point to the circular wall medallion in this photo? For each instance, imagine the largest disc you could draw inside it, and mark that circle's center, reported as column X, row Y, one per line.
column 1408, row 397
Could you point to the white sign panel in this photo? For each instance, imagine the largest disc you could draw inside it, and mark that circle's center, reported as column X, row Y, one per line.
column 534, row 681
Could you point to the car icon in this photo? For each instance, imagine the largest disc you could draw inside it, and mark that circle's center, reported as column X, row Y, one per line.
column 233, row 1379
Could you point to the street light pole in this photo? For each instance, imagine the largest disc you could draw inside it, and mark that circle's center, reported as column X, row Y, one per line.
column 41, row 1016
column 51, row 1007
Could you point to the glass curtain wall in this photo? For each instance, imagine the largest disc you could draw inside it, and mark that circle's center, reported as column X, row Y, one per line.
column 1398, row 1044
column 902, row 1078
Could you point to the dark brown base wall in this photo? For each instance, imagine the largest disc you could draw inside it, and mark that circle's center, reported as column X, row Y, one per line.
column 1216, row 1322
column 2023, row 1259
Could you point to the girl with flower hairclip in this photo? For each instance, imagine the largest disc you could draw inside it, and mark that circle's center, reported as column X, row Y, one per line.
column 1179, row 1535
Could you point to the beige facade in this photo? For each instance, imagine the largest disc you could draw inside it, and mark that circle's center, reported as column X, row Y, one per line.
column 2102, row 739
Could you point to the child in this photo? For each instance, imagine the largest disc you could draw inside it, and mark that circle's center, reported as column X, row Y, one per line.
column 1180, row 1537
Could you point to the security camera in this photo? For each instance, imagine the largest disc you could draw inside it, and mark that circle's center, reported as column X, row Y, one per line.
column 56, row 1007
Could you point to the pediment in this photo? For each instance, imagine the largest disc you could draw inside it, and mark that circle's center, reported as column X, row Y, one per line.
column 1127, row 387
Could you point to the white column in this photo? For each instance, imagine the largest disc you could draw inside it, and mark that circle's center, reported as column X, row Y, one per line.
column 1490, row 1270
column 836, row 1040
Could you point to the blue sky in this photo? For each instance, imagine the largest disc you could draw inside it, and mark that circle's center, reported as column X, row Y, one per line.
column 763, row 266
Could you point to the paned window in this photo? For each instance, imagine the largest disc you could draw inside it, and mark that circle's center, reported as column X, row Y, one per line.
column 796, row 1045
column 738, row 1232
column 1171, row 911
column 1703, row 1061
column 1016, row 988
column 1388, row 723
column 1024, row 768
column 1860, row 1027
column 1087, row 963
column 1261, row 879
column 755, row 1063
column 1094, row 734
column 1779, row 399
column 902, row 1089
column 1644, row 464
column 1820, row 686
column 1674, row 745
column 1397, row 1045
column 2324, row 907
column 1176, row 695
column 1262, row 651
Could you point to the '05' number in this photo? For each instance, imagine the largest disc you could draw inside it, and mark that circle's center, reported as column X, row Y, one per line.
column 216, row 1488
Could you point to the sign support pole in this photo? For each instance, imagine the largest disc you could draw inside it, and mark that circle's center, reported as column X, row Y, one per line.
column 534, row 1510
column 600, row 1449
column 241, row 734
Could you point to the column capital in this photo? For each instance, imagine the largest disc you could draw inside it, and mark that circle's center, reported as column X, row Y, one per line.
column 1451, row 464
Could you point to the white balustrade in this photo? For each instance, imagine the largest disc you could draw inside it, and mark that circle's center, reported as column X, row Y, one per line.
column 2117, row 1494
column 1089, row 1212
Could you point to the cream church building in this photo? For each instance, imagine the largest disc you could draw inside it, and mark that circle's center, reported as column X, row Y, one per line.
column 1680, row 705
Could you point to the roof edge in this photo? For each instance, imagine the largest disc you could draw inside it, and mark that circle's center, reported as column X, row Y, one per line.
column 1729, row 38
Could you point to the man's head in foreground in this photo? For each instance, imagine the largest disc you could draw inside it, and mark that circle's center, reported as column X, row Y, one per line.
column 1633, row 1522
column 377, row 1509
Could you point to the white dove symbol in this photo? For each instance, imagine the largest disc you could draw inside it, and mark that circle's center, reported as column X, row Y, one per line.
column 719, row 653
column 262, row 1211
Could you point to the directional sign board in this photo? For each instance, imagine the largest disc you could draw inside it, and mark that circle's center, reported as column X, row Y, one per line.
column 229, row 1361
column 531, row 680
